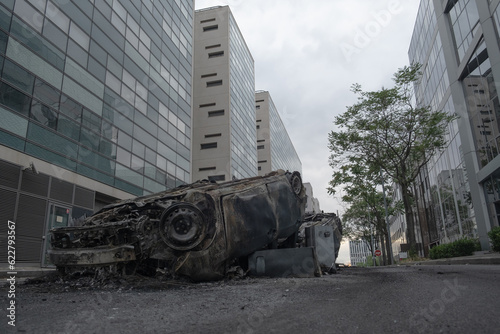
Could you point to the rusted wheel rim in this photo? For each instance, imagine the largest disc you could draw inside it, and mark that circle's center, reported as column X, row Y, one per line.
column 296, row 183
column 182, row 226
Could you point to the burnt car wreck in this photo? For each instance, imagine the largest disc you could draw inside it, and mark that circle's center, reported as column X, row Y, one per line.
column 198, row 230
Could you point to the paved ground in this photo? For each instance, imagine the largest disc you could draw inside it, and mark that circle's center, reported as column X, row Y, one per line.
column 24, row 270
column 398, row 299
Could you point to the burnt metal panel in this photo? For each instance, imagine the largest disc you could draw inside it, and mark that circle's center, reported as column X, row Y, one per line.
column 250, row 221
column 323, row 241
column 284, row 202
column 97, row 257
column 61, row 191
column 285, row 262
column 37, row 184
column 84, row 198
column 9, row 175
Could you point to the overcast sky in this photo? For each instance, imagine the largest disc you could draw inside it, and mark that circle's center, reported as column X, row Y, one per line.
column 308, row 54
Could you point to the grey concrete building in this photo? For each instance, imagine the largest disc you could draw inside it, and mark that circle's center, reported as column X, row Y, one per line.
column 224, row 135
column 95, row 105
column 275, row 149
column 459, row 193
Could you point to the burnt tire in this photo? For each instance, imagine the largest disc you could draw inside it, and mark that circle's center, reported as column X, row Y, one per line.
column 296, row 183
column 182, row 226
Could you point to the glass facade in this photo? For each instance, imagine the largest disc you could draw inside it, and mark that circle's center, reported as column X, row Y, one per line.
column 100, row 88
column 283, row 154
column 275, row 150
column 426, row 49
column 447, row 203
column 464, row 19
column 242, row 94
column 444, row 211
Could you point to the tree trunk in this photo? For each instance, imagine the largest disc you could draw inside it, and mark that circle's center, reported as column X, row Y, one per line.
column 388, row 246
column 382, row 248
column 410, row 223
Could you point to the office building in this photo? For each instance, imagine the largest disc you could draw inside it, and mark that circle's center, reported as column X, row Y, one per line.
column 275, row 150
column 224, row 135
column 458, row 44
column 95, row 102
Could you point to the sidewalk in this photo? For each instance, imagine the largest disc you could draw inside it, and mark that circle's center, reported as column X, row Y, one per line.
column 477, row 258
column 24, row 270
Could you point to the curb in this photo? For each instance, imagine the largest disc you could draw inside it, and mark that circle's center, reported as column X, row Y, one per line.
column 26, row 273
column 464, row 260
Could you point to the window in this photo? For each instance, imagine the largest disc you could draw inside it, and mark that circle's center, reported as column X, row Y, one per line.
column 212, row 46
column 261, row 140
column 259, row 101
column 258, row 126
column 208, row 145
column 207, row 105
column 46, row 93
column 18, row 77
column 68, row 128
column 210, row 28
column 209, row 75
column 257, row 107
column 259, row 120
column 13, row 98
column 55, row 35
column 214, row 83
column 70, row 108
column 43, row 114
column 260, row 147
column 216, row 54
column 207, row 20
column 213, row 135
column 216, row 113
column 203, row 169
column 262, row 161
column 13, row 123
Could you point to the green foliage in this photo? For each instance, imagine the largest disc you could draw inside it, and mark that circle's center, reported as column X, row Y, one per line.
column 369, row 261
column 384, row 131
column 462, row 247
column 494, row 235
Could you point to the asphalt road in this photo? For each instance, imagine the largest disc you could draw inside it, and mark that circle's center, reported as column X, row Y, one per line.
column 404, row 299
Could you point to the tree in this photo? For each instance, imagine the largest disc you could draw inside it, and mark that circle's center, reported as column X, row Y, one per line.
column 367, row 209
column 384, row 131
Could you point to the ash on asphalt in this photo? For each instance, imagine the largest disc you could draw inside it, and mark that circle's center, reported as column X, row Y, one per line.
column 94, row 280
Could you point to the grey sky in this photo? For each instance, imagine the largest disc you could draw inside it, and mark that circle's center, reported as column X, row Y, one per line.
column 307, row 55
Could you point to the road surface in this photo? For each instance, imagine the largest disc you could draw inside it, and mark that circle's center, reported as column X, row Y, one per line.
column 402, row 299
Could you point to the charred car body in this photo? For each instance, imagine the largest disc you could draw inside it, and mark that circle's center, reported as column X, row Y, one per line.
column 197, row 230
